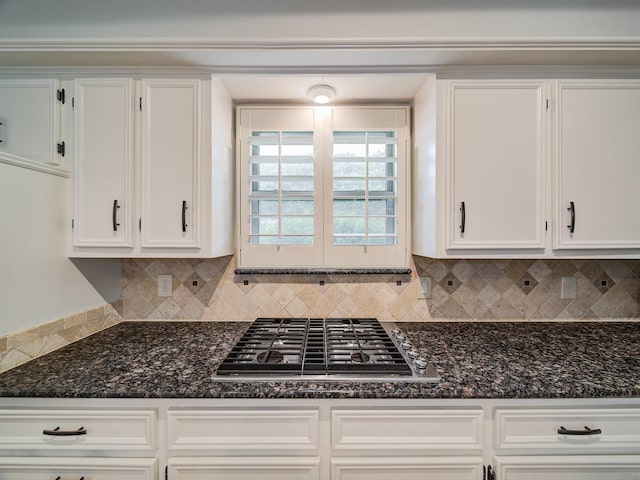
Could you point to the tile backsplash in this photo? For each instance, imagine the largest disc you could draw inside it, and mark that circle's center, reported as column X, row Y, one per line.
column 208, row 289
column 20, row 347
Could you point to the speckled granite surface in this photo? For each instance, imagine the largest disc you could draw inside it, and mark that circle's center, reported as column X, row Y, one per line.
column 475, row 360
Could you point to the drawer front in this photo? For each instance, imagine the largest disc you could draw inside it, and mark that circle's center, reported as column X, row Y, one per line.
column 244, row 468
column 129, row 431
column 531, row 430
column 224, row 431
column 46, row 468
column 441, row 468
column 414, row 431
column 576, row 467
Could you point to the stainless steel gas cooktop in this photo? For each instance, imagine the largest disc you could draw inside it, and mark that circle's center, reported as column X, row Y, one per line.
column 329, row 348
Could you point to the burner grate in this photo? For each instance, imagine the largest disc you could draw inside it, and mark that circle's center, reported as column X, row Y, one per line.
column 315, row 346
column 360, row 345
column 270, row 345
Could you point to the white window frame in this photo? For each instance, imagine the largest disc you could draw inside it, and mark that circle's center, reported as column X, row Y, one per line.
column 323, row 121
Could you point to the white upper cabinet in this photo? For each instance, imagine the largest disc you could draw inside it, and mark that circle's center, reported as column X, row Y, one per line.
column 500, row 165
column 597, row 165
column 143, row 169
column 494, row 164
column 30, row 123
column 103, row 167
column 170, row 163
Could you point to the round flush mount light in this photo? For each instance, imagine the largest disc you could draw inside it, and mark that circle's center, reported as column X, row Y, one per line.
column 322, row 93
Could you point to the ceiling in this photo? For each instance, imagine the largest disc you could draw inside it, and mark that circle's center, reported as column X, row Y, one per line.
column 393, row 88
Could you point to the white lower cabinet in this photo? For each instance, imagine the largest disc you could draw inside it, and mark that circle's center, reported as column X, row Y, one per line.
column 244, row 443
column 406, row 431
column 78, row 430
column 567, row 443
column 567, row 431
column 325, row 440
column 320, row 439
column 244, row 431
column 245, row 468
column 50, row 439
column 413, row 468
column 576, row 467
column 48, row 468
column 406, row 443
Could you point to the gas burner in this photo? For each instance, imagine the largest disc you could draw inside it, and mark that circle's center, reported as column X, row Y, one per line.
column 270, row 356
column 360, row 357
column 351, row 338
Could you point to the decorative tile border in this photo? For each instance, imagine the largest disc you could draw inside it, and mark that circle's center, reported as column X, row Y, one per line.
column 18, row 348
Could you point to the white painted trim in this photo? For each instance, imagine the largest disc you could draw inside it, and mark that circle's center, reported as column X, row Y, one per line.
column 22, row 162
column 133, row 44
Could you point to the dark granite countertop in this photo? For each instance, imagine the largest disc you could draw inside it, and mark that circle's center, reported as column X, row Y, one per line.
column 475, row 360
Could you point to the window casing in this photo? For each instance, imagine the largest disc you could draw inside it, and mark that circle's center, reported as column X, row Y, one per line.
column 323, row 187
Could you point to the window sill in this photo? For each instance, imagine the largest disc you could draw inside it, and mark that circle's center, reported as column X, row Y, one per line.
column 322, row 271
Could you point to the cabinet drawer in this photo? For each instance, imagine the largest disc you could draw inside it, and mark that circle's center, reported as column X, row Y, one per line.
column 406, row 431
column 20, row 468
column 248, row 431
column 524, row 431
column 438, row 468
column 129, row 431
column 576, row 467
column 244, row 468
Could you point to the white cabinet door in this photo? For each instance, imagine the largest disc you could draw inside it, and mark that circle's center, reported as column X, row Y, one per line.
column 495, row 141
column 597, row 166
column 550, row 431
column 406, row 431
column 411, row 468
column 170, row 163
column 65, row 431
column 583, row 467
column 244, row 468
column 47, row 468
column 103, row 166
column 243, row 431
column 30, row 120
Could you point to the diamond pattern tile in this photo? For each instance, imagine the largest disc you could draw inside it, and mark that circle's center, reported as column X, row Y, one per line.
column 521, row 289
column 527, row 283
column 604, row 283
column 450, row 283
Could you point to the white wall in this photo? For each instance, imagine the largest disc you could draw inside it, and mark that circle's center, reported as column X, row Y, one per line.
column 38, row 283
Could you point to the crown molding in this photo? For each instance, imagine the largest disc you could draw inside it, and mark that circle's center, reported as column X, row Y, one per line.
column 465, row 43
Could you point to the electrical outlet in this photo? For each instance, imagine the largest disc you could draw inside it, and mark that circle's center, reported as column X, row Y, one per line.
column 425, row 288
column 165, row 285
column 568, row 287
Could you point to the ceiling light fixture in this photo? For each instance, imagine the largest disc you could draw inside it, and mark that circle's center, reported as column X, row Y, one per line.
column 322, row 93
